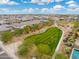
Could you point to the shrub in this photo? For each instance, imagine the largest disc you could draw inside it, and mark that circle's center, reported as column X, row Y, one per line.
column 34, row 27
column 60, row 56
column 27, row 29
column 22, row 50
column 18, row 32
column 7, row 36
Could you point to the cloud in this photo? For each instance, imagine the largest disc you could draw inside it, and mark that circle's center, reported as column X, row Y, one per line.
column 44, row 9
column 58, row 0
column 58, row 7
column 28, row 10
column 3, row 1
column 72, row 6
column 8, row 2
column 8, row 10
column 41, row 1
column 3, row 10
column 71, row 2
column 37, row 10
column 47, row 10
column 45, row 1
column 73, row 9
column 25, row 2
column 35, row 1
column 12, row 3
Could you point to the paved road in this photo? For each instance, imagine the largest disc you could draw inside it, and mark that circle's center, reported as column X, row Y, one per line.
column 6, row 51
column 3, row 53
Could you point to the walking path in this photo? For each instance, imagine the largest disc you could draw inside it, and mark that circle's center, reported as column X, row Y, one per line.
column 12, row 48
column 4, row 54
column 60, row 44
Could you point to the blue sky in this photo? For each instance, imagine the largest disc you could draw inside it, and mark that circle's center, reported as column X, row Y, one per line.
column 39, row 6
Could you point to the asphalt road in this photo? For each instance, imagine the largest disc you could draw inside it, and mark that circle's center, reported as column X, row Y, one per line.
column 3, row 54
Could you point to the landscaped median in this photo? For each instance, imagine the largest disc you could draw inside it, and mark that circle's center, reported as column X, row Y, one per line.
column 42, row 45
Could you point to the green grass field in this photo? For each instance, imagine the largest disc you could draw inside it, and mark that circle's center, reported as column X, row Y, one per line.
column 45, row 42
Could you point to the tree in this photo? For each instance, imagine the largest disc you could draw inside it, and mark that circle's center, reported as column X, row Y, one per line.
column 27, row 29
column 18, row 32
column 34, row 27
column 67, row 50
column 22, row 50
column 60, row 56
column 48, row 23
column 7, row 36
column 71, row 39
column 40, row 25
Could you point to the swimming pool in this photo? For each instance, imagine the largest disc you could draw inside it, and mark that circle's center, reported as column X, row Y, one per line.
column 75, row 54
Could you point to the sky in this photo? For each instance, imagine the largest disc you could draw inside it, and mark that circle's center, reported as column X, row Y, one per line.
column 39, row 6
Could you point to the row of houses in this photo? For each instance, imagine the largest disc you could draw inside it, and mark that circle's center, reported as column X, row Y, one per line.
column 20, row 20
column 67, row 17
column 8, row 22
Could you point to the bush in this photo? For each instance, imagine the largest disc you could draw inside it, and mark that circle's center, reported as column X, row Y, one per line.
column 22, row 50
column 27, row 29
column 60, row 56
column 7, row 36
column 18, row 32
column 34, row 27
